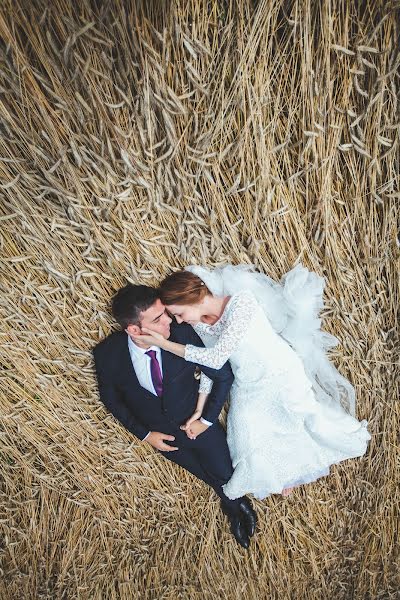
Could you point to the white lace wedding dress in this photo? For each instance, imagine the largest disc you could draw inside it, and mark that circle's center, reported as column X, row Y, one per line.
column 284, row 427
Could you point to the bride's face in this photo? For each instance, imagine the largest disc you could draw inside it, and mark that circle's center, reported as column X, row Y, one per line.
column 188, row 313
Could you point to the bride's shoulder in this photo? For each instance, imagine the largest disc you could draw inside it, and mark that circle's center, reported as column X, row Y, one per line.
column 244, row 298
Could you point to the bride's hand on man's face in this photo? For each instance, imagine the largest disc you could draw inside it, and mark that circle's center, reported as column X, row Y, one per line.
column 149, row 337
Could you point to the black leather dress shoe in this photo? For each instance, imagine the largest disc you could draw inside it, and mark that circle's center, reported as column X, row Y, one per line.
column 239, row 531
column 250, row 517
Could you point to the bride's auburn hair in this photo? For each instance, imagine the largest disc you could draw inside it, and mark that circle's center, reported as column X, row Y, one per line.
column 182, row 287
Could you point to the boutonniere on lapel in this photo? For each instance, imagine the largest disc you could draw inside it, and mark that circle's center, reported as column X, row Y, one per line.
column 197, row 373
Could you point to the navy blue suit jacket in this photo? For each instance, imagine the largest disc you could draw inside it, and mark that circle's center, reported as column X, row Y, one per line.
column 139, row 410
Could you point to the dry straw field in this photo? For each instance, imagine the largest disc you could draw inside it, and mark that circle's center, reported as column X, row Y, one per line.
column 137, row 137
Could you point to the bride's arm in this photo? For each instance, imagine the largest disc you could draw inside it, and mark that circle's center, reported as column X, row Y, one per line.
column 235, row 327
column 174, row 347
column 201, row 400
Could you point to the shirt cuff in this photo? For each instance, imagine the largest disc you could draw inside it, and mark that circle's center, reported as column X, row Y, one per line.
column 205, row 422
column 146, row 436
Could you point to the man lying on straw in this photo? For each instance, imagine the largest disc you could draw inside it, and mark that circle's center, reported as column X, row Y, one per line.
column 153, row 393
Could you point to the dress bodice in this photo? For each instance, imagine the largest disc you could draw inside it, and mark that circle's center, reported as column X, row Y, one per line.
column 244, row 336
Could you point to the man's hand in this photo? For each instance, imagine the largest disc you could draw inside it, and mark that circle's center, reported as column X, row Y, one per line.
column 196, row 428
column 156, row 439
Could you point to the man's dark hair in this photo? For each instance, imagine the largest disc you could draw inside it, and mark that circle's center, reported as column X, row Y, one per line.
column 130, row 301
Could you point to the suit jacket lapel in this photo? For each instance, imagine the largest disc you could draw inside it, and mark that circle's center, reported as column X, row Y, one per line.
column 171, row 366
column 129, row 372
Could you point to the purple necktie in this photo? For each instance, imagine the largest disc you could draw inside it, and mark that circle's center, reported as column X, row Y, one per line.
column 155, row 372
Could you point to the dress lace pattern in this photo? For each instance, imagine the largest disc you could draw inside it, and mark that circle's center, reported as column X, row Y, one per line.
column 230, row 330
column 205, row 384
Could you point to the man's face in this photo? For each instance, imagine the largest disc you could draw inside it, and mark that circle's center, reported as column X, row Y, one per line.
column 155, row 318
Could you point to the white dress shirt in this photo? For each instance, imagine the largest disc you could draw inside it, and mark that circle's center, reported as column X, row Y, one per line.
column 141, row 362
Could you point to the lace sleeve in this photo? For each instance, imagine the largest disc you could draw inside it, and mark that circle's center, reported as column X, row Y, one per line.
column 241, row 308
column 202, row 328
column 205, row 384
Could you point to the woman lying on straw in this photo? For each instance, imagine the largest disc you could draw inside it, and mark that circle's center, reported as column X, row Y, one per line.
column 291, row 412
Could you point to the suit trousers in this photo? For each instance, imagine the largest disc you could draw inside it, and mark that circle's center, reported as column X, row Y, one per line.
column 207, row 457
